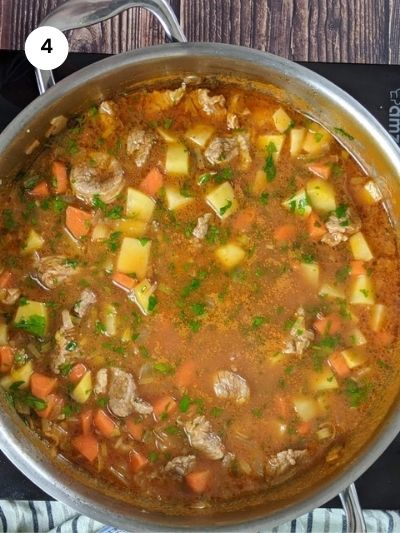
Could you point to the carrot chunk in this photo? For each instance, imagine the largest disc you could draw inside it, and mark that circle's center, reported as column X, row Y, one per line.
column 339, row 365
column 41, row 190
column 5, row 279
column 186, row 373
column 105, row 424
column 244, row 219
column 6, row 358
column 55, row 403
column 77, row 221
column 137, row 461
column 329, row 324
column 287, row 232
column 357, row 268
column 59, row 171
column 152, row 183
column 87, row 445
column 135, row 429
column 304, row 428
column 41, row 385
column 165, row 404
column 123, row 280
column 315, row 227
column 323, row 171
column 86, row 421
column 198, row 481
column 77, row 372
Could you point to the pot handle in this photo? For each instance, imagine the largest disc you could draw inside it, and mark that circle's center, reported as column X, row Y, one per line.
column 353, row 510
column 74, row 14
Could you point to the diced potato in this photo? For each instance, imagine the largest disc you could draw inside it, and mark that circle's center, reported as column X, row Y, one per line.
column 306, row 408
column 296, row 140
column 359, row 247
column 110, row 319
column 321, row 195
column 167, row 135
column 176, row 200
column 377, row 316
column 354, row 358
column 127, row 335
column 281, row 120
column 368, row 194
column 329, row 291
column 298, row 204
column 323, row 381
column 310, row 272
column 277, row 140
column 131, row 227
column 177, row 159
column 138, row 205
column 3, row 334
column 222, row 200
column 230, row 255
column 33, row 242
column 200, row 134
column 142, row 292
column 317, row 139
column 259, row 184
column 22, row 374
column 133, row 257
column 32, row 317
column 361, row 291
column 81, row 393
column 356, row 338
column 100, row 232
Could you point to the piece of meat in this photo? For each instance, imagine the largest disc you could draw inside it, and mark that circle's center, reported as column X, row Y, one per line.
column 202, row 438
column 53, row 271
column 299, row 337
column 107, row 108
column 210, row 105
column 87, row 298
column 228, row 459
column 139, row 144
column 158, row 101
column 283, row 461
column 141, row 407
column 222, row 149
column 100, row 386
column 104, row 179
column 231, row 386
column 66, row 320
column 339, row 228
column 9, row 296
column 121, row 392
column 181, row 465
column 61, row 355
column 232, row 121
column 200, row 231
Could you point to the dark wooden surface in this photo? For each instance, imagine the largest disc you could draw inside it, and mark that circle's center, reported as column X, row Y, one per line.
column 359, row 31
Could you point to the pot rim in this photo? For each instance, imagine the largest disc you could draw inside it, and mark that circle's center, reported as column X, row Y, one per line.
column 388, row 429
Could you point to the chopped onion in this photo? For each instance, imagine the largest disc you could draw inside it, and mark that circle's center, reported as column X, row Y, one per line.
column 66, row 319
column 33, row 350
column 146, row 374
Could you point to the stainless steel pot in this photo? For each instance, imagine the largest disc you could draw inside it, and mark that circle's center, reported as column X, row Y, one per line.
column 293, row 84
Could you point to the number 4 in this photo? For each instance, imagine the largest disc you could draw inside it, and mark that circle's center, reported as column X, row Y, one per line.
column 46, row 46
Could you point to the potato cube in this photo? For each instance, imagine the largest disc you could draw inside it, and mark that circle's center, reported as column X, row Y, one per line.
column 321, row 195
column 361, row 291
column 296, row 140
column 81, row 393
column 298, row 204
column 133, row 257
column 354, row 358
column 323, row 381
column 306, row 408
column 138, row 205
column 317, row 139
column 359, row 247
column 281, row 120
column 131, row 227
column 329, row 291
column 32, row 317
column 230, row 255
column 33, row 242
column 355, row 337
column 177, row 159
column 100, row 232
column 263, row 141
column 377, row 317
column 110, row 319
column 310, row 273
column 176, row 200
column 200, row 134
column 259, row 184
column 22, row 374
column 222, row 200
column 142, row 292
column 167, row 135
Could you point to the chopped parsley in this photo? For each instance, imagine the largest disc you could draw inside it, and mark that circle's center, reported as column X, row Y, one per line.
column 318, row 136
column 216, row 411
column 71, row 346
column 269, row 165
column 73, row 263
column 342, row 274
column 143, row 240
column 35, row 325
column 258, row 321
column 152, row 303
column 356, row 394
column 224, row 208
column 198, row 309
column 184, row 403
column 167, row 123
column 114, row 241
column 15, row 394
column 164, row 368
column 264, row 198
column 153, row 457
column 8, row 220
column 65, row 369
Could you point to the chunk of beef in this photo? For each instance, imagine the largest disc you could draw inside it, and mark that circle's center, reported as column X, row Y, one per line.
column 200, row 231
column 221, row 150
column 181, row 465
column 54, row 270
column 9, row 296
column 231, row 386
column 232, row 121
column 210, row 105
column 299, row 337
column 139, row 144
column 100, row 386
column 61, row 355
column 202, row 438
column 87, row 298
column 340, row 228
column 283, row 461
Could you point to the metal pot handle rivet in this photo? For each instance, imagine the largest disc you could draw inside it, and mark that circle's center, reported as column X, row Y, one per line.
column 75, row 14
column 352, row 508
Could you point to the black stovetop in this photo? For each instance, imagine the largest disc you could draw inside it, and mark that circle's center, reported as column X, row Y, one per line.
column 375, row 86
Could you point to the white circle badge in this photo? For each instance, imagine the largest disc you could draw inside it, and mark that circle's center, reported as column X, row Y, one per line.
column 46, row 48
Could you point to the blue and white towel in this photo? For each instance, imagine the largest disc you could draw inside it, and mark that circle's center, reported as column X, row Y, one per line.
column 54, row 517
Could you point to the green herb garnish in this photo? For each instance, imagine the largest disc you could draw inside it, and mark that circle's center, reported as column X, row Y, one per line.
column 269, row 165
column 35, row 325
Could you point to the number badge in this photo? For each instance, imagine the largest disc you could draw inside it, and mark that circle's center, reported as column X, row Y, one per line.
column 46, row 48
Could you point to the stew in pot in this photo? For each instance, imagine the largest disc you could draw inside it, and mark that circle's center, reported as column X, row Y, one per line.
column 198, row 294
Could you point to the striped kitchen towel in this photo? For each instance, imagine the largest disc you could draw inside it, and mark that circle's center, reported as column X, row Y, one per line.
column 54, row 517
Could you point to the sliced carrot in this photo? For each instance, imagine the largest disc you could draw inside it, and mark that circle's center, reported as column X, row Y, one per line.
column 77, row 221
column 55, row 403
column 77, row 372
column 315, row 227
column 5, row 279
column 165, row 404
column 87, row 445
column 137, row 461
column 186, row 373
column 198, row 481
column 6, row 358
column 304, row 428
column 244, row 219
column 59, row 171
column 321, row 170
column 287, row 232
column 124, row 281
column 329, row 324
column 86, row 421
column 41, row 385
column 384, row 338
column 339, row 365
column 105, row 424
column 41, row 190
column 357, row 268
column 135, row 429
column 152, row 183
